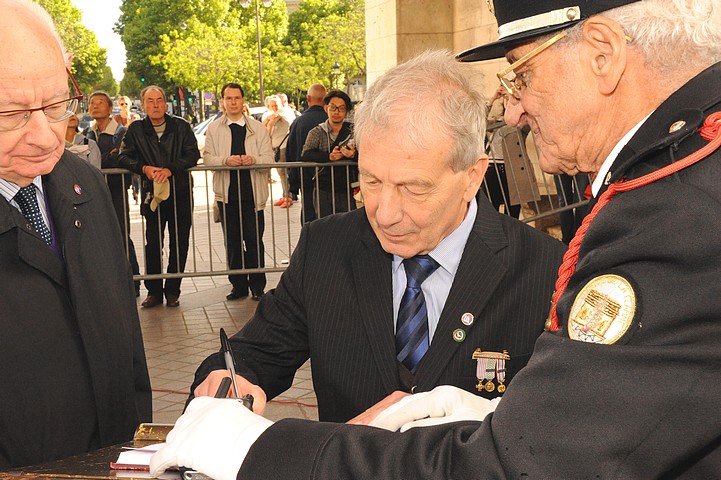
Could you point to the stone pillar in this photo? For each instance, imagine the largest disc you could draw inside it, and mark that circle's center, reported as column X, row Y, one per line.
column 396, row 30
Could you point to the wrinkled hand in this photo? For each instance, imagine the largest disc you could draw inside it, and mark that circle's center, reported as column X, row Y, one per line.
column 157, row 174
column 443, row 404
column 213, row 436
column 210, row 385
column 369, row 415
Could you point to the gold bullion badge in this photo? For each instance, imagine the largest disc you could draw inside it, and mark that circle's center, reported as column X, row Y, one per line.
column 603, row 311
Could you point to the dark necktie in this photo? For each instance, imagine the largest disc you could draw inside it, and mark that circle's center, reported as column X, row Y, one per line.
column 28, row 202
column 412, row 325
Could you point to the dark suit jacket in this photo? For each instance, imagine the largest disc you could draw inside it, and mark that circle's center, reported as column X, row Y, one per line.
column 646, row 406
column 72, row 357
column 334, row 305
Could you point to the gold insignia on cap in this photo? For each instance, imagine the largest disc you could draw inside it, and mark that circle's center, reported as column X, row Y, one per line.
column 491, row 7
column 603, row 311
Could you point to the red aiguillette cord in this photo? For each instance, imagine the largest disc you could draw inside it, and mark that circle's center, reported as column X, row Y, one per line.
column 711, row 131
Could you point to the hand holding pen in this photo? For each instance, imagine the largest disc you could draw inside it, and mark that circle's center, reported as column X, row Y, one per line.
column 230, row 365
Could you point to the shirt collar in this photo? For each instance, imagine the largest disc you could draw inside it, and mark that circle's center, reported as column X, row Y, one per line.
column 109, row 129
column 606, row 165
column 449, row 251
column 240, row 121
column 9, row 189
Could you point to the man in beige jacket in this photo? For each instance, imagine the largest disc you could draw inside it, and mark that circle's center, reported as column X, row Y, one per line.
column 236, row 140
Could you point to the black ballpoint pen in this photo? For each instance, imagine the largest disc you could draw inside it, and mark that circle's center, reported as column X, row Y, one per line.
column 230, row 365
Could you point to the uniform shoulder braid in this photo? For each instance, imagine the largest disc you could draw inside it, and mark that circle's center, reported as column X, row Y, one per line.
column 711, row 131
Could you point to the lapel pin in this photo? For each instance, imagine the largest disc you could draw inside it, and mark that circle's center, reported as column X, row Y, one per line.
column 77, row 189
column 459, row 335
column 467, row 319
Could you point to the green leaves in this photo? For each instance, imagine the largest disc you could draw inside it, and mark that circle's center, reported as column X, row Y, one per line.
column 89, row 60
column 203, row 44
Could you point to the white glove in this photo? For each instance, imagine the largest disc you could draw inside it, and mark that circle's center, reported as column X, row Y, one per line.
column 443, row 404
column 213, row 437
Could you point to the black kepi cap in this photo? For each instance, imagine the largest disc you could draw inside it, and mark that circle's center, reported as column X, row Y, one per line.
column 521, row 21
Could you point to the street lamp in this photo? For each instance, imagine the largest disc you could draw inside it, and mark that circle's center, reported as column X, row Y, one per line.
column 266, row 3
column 335, row 74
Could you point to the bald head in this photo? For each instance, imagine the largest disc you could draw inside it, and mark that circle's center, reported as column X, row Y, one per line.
column 25, row 17
column 32, row 75
column 316, row 94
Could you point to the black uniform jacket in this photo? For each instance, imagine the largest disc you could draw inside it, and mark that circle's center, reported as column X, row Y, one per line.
column 644, row 406
column 334, row 304
column 72, row 350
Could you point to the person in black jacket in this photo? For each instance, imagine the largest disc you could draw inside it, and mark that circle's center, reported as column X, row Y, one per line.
column 161, row 148
column 329, row 142
column 300, row 180
column 109, row 135
column 72, row 365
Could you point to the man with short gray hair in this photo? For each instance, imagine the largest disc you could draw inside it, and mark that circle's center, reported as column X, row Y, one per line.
column 161, row 148
column 424, row 286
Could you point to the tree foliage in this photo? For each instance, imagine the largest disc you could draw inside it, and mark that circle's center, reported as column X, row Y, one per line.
column 202, row 44
column 89, row 60
column 107, row 84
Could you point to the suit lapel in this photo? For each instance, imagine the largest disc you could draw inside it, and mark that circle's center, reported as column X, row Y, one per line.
column 475, row 283
column 374, row 287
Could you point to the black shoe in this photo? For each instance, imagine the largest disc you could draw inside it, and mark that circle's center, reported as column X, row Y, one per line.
column 236, row 293
column 137, row 289
column 258, row 295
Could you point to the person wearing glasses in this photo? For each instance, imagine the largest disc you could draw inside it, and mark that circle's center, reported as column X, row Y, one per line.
column 626, row 382
column 125, row 117
column 72, row 364
column 329, row 142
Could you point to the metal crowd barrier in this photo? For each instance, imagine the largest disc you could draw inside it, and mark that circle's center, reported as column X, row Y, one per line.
column 514, row 184
column 206, row 253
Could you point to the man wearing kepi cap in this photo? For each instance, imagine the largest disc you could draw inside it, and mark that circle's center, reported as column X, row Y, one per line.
column 626, row 382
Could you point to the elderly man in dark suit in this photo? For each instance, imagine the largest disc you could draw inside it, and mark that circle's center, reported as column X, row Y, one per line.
column 354, row 299
column 626, row 382
column 72, row 365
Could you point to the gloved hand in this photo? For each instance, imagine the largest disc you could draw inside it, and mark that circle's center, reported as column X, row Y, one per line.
column 443, row 404
column 213, row 436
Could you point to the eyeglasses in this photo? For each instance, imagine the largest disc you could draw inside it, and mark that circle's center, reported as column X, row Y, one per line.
column 55, row 112
column 334, row 108
column 515, row 85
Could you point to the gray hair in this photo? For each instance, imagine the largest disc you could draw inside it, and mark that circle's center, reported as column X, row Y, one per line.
column 672, row 35
column 429, row 93
column 152, row 87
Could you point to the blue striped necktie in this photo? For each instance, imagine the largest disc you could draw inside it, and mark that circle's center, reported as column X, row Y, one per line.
column 28, row 202
column 412, row 324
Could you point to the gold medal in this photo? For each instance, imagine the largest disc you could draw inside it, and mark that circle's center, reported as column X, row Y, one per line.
column 501, row 388
column 490, row 386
